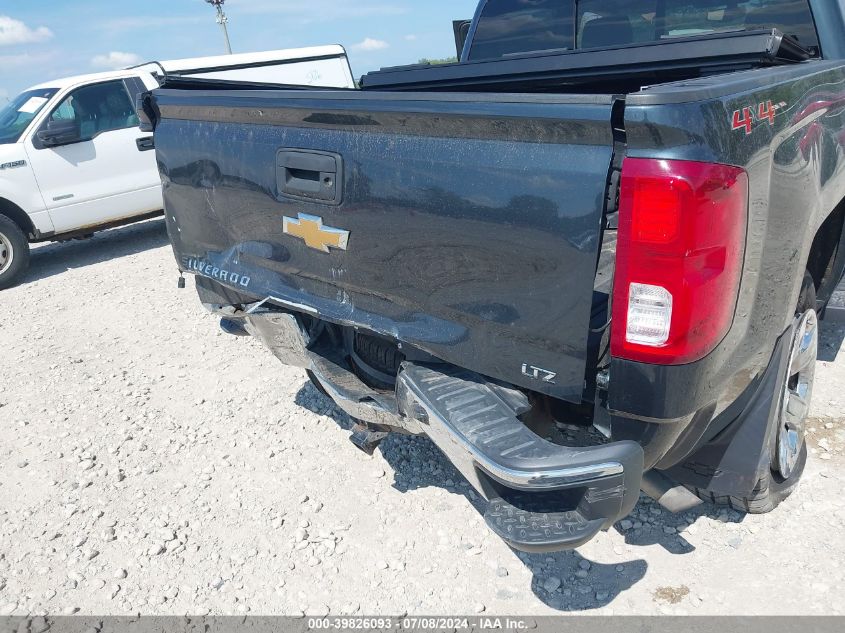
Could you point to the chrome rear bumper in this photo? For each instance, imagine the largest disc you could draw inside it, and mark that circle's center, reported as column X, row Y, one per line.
column 542, row 496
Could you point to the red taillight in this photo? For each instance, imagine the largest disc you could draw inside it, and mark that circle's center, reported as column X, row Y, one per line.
column 678, row 258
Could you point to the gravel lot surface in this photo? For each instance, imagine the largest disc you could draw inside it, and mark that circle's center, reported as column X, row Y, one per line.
column 149, row 463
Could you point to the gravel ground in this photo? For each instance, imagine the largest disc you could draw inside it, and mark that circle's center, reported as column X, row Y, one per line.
column 150, row 464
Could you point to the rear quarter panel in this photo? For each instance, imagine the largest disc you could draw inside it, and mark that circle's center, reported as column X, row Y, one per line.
column 795, row 166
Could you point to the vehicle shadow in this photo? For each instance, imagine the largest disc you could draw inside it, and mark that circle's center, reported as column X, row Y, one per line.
column 831, row 338
column 650, row 524
column 58, row 257
column 565, row 581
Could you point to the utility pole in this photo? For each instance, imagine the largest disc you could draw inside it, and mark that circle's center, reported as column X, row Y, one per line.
column 222, row 20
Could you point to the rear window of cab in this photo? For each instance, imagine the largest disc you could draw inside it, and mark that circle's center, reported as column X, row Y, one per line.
column 510, row 27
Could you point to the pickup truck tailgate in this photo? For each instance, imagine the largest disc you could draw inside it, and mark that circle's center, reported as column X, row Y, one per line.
column 465, row 225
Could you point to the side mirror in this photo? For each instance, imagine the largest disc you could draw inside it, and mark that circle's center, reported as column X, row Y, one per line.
column 461, row 28
column 58, row 133
column 145, row 111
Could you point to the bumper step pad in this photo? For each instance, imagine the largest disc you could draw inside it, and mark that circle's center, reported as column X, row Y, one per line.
column 529, row 524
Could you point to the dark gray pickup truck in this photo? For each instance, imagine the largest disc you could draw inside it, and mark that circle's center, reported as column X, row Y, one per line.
column 616, row 215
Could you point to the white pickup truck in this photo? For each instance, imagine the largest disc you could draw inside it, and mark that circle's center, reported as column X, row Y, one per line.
column 74, row 161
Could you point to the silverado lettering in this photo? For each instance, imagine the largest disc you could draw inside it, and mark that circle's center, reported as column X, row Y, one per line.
column 210, row 270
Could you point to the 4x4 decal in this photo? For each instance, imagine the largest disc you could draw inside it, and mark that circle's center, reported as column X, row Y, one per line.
column 746, row 118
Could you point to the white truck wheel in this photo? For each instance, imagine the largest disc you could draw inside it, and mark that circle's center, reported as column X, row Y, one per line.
column 14, row 252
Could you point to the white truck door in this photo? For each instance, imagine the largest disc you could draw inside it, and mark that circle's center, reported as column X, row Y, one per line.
column 108, row 172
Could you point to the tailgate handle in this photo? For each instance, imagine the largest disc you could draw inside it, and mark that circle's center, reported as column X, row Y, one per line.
column 310, row 175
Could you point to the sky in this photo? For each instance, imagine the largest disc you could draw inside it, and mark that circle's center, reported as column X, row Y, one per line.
column 48, row 39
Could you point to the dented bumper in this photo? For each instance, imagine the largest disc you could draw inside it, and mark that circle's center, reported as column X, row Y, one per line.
column 542, row 496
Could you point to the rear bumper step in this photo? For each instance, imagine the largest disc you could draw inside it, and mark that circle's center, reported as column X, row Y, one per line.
column 542, row 496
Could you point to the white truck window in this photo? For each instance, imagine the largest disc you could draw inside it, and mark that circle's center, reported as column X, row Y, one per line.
column 97, row 108
column 16, row 115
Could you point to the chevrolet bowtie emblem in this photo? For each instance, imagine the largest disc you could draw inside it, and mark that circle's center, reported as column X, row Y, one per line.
column 310, row 229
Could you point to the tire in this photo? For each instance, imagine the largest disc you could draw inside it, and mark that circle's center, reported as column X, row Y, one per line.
column 776, row 486
column 317, row 385
column 381, row 356
column 14, row 253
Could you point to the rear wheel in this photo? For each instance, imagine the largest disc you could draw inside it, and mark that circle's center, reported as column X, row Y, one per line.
column 14, row 252
column 795, row 403
column 788, row 453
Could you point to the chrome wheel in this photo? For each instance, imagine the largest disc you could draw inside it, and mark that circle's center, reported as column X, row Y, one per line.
column 795, row 404
column 7, row 253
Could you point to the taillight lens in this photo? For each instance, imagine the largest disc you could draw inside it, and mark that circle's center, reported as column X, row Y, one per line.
column 678, row 258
